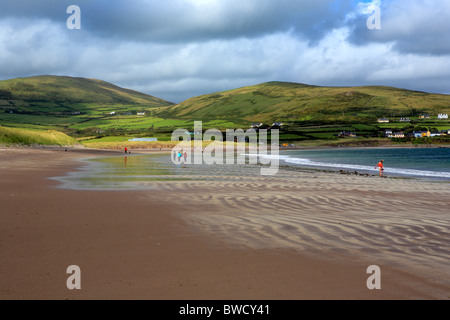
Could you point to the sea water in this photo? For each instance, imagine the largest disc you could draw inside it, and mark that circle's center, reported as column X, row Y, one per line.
column 431, row 163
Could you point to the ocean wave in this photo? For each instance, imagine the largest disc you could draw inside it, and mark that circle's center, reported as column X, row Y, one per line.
column 399, row 171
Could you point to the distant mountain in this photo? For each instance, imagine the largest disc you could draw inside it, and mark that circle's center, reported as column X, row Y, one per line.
column 59, row 94
column 282, row 101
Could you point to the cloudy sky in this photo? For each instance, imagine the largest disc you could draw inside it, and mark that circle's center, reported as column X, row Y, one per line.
column 176, row 49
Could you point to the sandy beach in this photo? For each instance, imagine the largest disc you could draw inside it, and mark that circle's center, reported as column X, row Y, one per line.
column 297, row 235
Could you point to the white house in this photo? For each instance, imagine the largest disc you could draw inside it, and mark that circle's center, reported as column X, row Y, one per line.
column 443, row 116
column 141, row 113
column 383, row 120
column 398, row 135
column 257, row 125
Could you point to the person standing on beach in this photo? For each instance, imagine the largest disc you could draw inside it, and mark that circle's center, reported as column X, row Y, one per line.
column 380, row 166
column 126, row 150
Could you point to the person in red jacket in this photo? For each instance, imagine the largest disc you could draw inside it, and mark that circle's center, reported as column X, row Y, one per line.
column 126, row 150
column 380, row 166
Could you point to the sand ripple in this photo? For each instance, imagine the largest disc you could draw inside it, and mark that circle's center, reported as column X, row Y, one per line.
column 404, row 223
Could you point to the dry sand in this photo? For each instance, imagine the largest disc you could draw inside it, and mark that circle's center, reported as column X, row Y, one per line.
column 298, row 235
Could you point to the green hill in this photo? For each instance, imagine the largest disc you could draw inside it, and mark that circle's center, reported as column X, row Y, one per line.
column 14, row 136
column 53, row 94
column 281, row 101
column 68, row 104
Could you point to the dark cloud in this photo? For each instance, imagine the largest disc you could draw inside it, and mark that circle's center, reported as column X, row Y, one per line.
column 185, row 21
column 420, row 27
column 181, row 21
column 37, row 10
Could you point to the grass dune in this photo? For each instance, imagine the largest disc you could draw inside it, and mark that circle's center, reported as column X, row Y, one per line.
column 15, row 136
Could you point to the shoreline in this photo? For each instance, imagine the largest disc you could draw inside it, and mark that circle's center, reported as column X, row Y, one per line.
column 301, row 147
column 154, row 251
column 114, row 152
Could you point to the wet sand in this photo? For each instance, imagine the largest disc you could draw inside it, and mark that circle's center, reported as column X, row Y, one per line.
column 256, row 238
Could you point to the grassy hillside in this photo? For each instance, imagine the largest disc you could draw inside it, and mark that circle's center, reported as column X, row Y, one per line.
column 68, row 104
column 66, row 94
column 14, row 136
column 287, row 102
